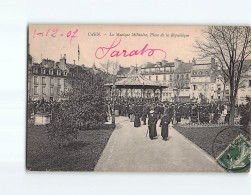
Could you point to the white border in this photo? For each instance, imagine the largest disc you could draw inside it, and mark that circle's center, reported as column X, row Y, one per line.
column 15, row 15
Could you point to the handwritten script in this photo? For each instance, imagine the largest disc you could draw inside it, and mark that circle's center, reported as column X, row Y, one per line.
column 102, row 52
column 55, row 33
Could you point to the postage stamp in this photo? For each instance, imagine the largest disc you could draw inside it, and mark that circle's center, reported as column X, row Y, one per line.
column 236, row 157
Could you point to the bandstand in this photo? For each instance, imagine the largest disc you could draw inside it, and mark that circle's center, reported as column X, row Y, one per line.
column 136, row 86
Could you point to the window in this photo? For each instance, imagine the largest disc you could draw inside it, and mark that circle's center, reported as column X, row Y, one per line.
column 249, row 83
column 51, row 81
column 200, row 72
column 194, row 73
column 194, row 87
column 207, row 72
column 65, row 73
column 149, row 77
column 36, row 80
column 178, row 76
column 43, row 90
column 43, row 71
column 36, row 90
column 43, row 80
column 51, row 90
column 65, row 82
column 157, row 78
column 59, row 72
column 51, row 71
column 58, row 81
column 218, row 86
column 164, row 77
column 35, row 70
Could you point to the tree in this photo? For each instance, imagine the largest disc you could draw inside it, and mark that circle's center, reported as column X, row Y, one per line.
column 84, row 108
column 178, row 85
column 230, row 45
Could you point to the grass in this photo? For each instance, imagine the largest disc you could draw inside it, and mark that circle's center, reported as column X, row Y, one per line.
column 213, row 140
column 80, row 155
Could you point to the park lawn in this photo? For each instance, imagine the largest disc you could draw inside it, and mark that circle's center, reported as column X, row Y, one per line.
column 204, row 137
column 80, row 155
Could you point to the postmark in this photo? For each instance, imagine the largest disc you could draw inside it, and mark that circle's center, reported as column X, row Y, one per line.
column 231, row 149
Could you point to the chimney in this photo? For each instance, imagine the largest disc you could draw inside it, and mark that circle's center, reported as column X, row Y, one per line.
column 194, row 61
column 64, row 56
column 74, row 62
column 177, row 62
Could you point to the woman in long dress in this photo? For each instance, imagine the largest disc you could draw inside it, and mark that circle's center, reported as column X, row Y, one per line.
column 152, row 121
column 137, row 120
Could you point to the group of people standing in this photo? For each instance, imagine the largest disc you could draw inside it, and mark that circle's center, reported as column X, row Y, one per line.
column 153, row 114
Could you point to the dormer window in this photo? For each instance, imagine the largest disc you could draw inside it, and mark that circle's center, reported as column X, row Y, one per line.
column 35, row 70
column 43, row 71
column 200, row 72
column 51, row 71
column 65, row 73
column 58, row 72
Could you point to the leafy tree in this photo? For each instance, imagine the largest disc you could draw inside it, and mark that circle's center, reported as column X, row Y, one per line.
column 83, row 109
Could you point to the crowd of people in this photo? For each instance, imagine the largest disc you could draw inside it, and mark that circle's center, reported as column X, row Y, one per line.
column 139, row 110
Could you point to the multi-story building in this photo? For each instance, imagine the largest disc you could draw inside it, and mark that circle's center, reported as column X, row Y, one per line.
column 48, row 80
column 245, row 84
column 203, row 81
column 168, row 73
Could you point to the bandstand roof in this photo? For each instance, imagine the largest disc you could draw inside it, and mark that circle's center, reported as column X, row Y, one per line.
column 137, row 81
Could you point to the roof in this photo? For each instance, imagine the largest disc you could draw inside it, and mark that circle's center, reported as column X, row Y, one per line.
column 184, row 68
column 202, row 66
column 136, row 80
column 71, row 65
column 162, row 64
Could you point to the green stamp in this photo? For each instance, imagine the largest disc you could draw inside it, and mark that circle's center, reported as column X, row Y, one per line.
column 236, row 157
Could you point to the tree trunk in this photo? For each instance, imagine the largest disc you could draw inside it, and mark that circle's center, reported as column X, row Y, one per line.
column 232, row 110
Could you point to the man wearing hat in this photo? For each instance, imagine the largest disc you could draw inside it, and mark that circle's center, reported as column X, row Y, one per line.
column 152, row 121
column 165, row 120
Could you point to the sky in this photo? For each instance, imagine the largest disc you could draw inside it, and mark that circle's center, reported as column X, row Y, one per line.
column 167, row 42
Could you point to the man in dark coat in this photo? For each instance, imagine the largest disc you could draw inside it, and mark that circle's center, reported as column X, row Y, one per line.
column 165, row 120
column 137, row 120
column 152, row 121
column 144, row 115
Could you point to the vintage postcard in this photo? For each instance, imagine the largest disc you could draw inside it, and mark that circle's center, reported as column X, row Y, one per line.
column 138, row 98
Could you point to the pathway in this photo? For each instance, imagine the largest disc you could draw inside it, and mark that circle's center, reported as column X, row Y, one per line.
column 128, row 149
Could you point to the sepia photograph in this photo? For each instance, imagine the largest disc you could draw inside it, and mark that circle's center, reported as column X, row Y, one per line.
column 138, row 98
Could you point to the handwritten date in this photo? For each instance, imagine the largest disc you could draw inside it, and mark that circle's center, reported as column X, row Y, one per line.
column 55, row 33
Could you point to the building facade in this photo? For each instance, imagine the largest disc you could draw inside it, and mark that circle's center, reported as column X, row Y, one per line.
column 48, row 80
